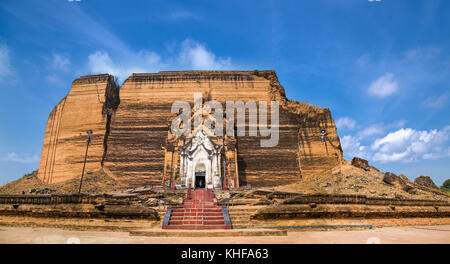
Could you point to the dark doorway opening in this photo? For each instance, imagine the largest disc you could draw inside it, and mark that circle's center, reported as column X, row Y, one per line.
column 200, row 180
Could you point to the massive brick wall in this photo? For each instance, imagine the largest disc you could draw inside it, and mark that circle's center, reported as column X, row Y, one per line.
column 129, row 144
column 140, row 124
column 65, row 138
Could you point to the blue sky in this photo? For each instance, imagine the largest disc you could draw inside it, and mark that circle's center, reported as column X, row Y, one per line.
column 383, row 68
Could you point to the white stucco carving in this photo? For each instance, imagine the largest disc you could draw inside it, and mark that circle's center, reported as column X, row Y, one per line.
column 200, row 155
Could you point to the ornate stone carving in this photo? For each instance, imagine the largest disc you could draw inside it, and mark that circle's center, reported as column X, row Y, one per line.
column 201, row 157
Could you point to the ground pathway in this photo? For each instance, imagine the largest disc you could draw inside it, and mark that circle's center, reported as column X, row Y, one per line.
column 386, row 235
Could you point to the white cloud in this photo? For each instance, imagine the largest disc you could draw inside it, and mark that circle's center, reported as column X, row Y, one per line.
column 199, row 58
column 352, row 147
column 422, row 53
column 14, row 157
column 435, row 101
column 55, row 79
column 394, row 142
column 379, row 129
column 60, row 62
column 57, row 63
column 409, row 145
column 5, row 65
column 113, row 55
column 191, row 55
column 100, row 62
column 346, row 123
column 372, row 130
column 367, row 131
column 143, row 61
column 363, row 61
column 179, row 15
column 384, row 86
column 403, row 145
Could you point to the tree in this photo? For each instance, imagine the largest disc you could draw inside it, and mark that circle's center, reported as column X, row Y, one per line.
column 446, row 185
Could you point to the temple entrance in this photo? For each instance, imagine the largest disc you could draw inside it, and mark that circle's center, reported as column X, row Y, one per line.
column 200, row 162
column 200, row 180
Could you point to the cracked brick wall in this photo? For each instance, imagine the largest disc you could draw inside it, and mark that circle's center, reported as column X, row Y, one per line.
column 129, row 130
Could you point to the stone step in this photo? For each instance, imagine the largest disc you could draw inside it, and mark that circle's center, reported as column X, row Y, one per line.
column 196, row 222
column 198, row 199
column 193, row 210
column 196, row 213
column 194, row 217
column 204, row 220
column 200, row 211
column 199, row 205
column 198, row 208
column 199, row 214
column 188, row 222
column 206, row 209
column 187, row 211
column 218, row 217
column 196, row 227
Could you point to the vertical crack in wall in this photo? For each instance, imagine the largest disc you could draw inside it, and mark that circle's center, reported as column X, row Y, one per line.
column 110, row 105
column 54, row 118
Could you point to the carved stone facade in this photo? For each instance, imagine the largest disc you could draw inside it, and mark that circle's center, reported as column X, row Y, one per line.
column 200, row 162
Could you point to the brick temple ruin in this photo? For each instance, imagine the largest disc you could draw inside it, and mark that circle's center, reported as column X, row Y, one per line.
column 133, row 143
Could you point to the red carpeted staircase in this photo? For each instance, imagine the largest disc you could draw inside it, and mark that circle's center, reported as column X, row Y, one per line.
column 197, row 211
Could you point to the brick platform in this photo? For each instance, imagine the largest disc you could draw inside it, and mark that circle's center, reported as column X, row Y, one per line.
column 198, row 211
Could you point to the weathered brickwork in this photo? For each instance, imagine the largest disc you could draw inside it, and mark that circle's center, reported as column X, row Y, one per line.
column 131, row 128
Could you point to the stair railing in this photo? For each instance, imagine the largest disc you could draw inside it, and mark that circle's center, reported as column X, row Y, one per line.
column 167, row 217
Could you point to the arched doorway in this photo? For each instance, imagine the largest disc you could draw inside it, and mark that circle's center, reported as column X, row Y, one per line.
column 200, row 175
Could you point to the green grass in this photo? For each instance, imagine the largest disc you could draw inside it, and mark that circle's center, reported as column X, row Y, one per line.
column 444, row 190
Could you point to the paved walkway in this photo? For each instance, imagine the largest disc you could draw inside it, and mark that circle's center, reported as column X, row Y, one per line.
column 387, row 235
